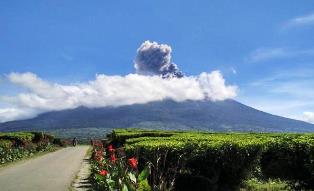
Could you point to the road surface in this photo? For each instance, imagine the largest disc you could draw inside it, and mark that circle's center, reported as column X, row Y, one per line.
column 51, row 172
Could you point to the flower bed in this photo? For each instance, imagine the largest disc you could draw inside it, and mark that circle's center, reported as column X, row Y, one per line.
column 112, row 170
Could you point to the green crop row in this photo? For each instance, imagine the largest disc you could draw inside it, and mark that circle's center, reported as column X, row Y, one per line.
column 222, row 161
column 119, row 136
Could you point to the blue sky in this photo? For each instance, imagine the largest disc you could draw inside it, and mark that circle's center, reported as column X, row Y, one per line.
column 266, row 48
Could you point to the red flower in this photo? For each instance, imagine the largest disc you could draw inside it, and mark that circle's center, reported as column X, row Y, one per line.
column 103, row 172
column 99, row 158
column 113, row 158
column 133, row 162
column 99, row 153
column 110, row 148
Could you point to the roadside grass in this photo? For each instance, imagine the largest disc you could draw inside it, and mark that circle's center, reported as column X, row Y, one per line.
column 26, row 158
column 258, row 185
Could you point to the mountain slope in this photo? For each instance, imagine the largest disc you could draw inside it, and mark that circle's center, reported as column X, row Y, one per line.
column 227, row 115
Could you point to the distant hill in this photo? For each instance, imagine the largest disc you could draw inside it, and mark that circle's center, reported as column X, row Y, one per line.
column 228, row 115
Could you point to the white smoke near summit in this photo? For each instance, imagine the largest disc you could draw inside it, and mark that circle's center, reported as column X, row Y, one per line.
column 156, row 79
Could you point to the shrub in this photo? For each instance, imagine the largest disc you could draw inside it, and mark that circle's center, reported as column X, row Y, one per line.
column 222, row 165
column 19, row 138
column 221, row 161
column 5, row 143
column 292, row 161
column 60, row 142
column 17, row 145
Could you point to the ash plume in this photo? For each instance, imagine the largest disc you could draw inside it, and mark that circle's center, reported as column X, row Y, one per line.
column 155, row 59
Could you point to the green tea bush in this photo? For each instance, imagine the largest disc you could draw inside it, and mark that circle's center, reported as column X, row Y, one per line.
column 219, row 164
column 222, row 161
column 291, row 160
column 224, row 166
column 17, row 145
column 123, row 134
column 40, row 136
column 19, row 138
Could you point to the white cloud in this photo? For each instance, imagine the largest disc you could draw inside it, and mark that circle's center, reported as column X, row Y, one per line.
column 264, row 54
column 7, row 114
column 107, row 90
column 300, row 21
column 213, row 85
column 308, row 117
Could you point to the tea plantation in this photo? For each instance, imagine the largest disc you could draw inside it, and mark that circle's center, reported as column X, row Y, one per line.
column 220, row 161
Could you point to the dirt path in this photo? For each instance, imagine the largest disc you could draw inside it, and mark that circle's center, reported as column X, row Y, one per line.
column 51, row 172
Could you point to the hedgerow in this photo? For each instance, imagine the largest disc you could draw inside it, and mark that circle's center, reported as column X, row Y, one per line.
column 18, row 145
column 222, row 161
column 291, row 160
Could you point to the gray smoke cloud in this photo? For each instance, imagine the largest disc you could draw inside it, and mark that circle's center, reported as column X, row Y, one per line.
column 155, row 59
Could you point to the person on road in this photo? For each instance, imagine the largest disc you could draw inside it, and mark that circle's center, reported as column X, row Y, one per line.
column 74, row 142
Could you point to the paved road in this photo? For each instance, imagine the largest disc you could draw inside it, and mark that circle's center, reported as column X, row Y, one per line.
column 51, row 172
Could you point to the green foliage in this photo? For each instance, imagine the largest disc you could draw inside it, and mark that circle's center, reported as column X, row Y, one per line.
column 60, row 142
column 119, row 136
column 144, row 186
column 222, row 161
column 41, row 136
column 291, row 160
column 5, row 143
column 18, row 136
column 269, row 185
column 18, row 145
column 144, row 174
